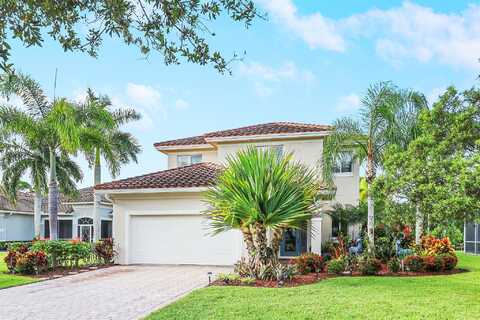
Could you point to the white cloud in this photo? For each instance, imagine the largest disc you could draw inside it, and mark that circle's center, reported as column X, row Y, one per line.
column 316, row 30
column 406, row 32
column 348, row 104
column 181, row 104
column 144, row 95
column 265, row 77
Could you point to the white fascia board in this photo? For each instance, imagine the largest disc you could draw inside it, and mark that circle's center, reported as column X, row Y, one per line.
column 269, row 137
column 16, row 212
column 185, row 147
column 152, row 190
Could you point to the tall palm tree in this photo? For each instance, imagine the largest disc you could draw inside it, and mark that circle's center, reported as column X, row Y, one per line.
column 112, row 144
column 378, row 127
column 19, row 159
column 260, row 193
column 54, row 123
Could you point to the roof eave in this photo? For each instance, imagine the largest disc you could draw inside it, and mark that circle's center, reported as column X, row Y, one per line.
column 278, row 136
column 166, row 149
column 151, row 190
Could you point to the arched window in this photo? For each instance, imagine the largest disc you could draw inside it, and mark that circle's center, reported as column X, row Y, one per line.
column 85, row 220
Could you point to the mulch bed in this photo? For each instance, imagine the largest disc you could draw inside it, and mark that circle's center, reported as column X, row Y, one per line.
column 60, row 272
column 310, row 278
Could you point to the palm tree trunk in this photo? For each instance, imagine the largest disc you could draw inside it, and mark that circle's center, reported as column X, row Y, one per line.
column 276, row 239
column 418, row 225
column 53, row 197
column 370, row 176
column 37, row 213
column 97, row 179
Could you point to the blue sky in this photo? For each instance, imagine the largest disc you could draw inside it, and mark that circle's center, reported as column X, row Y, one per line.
column 310, row 61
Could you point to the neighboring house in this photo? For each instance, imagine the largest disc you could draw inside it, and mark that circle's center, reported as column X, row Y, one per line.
column 75, row 218
column 16, row 221
column 472, row 238
column 158, row 216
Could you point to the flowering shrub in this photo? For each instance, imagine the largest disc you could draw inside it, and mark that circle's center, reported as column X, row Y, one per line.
column 414, row 263
column 449, row 261
column 336, row 266
column 105, row 250
column 30, row 262
column 309, row 262
column 369, row 265
column 433, row 246
column 433, row 263
column 394, row 265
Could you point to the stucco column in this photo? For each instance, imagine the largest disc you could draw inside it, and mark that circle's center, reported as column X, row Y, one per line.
column 316, row 235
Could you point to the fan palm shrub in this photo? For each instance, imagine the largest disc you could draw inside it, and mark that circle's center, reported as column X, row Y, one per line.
column 110, row 143
column 53, row 124
column 262, row 194
column 19, row 159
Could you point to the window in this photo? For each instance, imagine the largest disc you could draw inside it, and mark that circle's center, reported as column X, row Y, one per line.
column 106, row 229
column 46, row 228
column 344, row 163
column 278, row 149
column 65, row 229
column 186, row 160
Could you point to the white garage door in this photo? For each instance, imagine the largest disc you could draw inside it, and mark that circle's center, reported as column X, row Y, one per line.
column 180, row 240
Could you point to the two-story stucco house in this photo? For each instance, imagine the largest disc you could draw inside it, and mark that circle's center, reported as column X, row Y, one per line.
column 158, row 216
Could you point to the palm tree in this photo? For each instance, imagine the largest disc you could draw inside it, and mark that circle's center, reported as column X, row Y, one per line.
column 54, row 123
column 115, row 146
column 19, row 159
column 378, row 127
column 259, row 193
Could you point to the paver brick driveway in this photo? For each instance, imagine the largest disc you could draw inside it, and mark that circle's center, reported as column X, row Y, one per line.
column 120, row 292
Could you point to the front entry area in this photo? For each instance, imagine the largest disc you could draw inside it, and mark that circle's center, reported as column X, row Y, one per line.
column 180, row 239
column 294, row 243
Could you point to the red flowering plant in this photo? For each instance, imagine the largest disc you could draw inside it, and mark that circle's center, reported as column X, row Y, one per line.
column 105, row 250
column 309, row 262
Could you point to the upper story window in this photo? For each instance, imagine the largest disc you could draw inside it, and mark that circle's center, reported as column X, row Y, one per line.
column 186, row 160
column 344, row 163
column 278, row 149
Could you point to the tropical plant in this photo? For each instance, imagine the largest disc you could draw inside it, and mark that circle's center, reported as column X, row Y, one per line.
column 380, row 125
column 109, row 142
column 336, row 266
column 52, row 124
column 18, row 159
column 439, row 170
column 261, row 192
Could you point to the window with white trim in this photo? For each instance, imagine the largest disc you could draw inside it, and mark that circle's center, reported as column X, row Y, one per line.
column 186, row 160
column 343, row 163
column 278, row 149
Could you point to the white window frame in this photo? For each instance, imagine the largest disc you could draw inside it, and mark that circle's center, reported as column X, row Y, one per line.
column 344, row 173
column 277, row 147
column 190, row 158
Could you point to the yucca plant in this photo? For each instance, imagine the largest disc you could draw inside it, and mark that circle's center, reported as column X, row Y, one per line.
column 260, row 192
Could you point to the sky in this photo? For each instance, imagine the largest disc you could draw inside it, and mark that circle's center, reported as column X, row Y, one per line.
column 308, row 61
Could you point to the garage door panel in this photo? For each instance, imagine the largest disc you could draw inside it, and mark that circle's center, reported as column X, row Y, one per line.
column 180, row 240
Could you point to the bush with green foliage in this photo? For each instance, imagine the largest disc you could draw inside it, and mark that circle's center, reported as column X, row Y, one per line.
column 248, row 281
column 449, row 261
column 336, row 266
column 414, row 263
column 309, row 262
column 433, row 263
column 228, row 278
column 369, row 265
column 394, row 265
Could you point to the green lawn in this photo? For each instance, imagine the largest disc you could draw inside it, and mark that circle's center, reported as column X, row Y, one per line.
column 435, row 297
column 9, row 280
